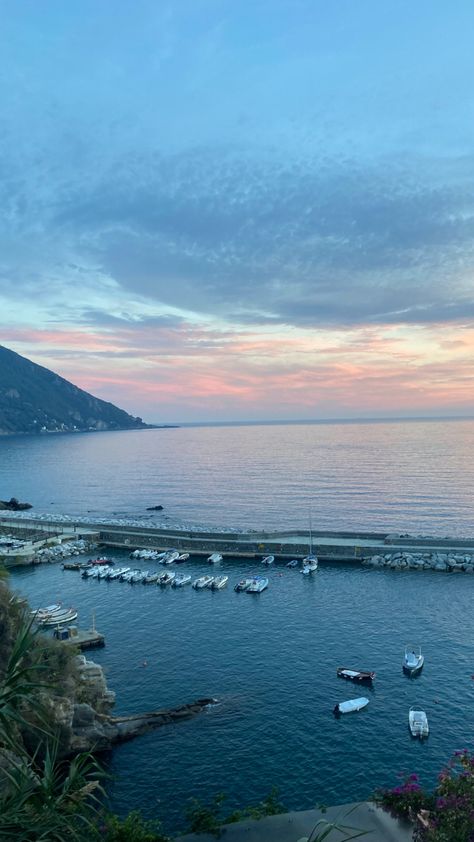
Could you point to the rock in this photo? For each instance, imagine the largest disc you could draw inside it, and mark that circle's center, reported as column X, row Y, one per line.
column 13, row 505
column 154, row 508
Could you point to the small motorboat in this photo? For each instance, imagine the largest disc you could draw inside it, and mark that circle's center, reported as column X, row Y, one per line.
column 58, row 618
column 243, row 584
column 350, row 706
column 182, row 557
column 219, row 583
column 166, row 578
column 310, row 565
column 413, row 660
column 418, row 723
column 127, row 576
column 181, row 579
column 105, row 572
column 47, row 610
column 293, row 563
column 117, row 573
column 103, row 560
column 203, row 582
column 138, row 576
column 358, row 676
column 215, row 558
column 169, row 557
column 269, row 559
column 259, row 583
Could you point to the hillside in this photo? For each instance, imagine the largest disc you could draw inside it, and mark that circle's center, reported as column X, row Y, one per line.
column 34, row 399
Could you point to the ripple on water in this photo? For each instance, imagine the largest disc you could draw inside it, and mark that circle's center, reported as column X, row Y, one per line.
column 271, row 660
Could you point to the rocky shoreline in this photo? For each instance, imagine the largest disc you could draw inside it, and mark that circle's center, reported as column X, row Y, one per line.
column 85, row 715
column 440, row 562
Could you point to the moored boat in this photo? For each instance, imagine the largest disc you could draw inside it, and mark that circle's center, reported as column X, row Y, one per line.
column 219, row 583
column 182, row 557
column 293, row 563
column 202, row 582
column 181, row 579
column 358, row 676
column 413, row 660
column 171, row 556
column 214, row 558
column 268, row 559
column 57, row 618
column 166, row 578
column 243, row 584
column 259, row 583
column 150, row 578
column 310, row 565
column 418, row 723
column 351, row 705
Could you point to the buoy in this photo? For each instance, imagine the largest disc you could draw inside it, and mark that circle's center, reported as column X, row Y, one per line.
column 145, row 663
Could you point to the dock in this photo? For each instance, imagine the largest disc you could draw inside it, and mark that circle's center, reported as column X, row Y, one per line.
column 90, row 639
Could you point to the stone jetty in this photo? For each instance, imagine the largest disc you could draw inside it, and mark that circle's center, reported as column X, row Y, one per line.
column 441, row 562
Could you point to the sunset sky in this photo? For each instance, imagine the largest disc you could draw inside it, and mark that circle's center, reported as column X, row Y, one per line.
column 263, row 209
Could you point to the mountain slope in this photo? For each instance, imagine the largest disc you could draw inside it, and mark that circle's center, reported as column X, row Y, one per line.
column 34, row 399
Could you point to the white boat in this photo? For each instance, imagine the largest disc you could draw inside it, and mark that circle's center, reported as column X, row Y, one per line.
column 166, row 578
column 269, row 559
column 413, row 660
column 259, row 583
column 418, row 723
column 171, row 556
column 351, row 705
column 243, row 584
column 138, row 576
column 181, row 579
column 203, row 582
column 215, row 558
column 126, row 577
column 116, row 574
column 105, row 572
column 58, row 618
column 47, row 610
column 183, row 557
column 219, row 582
column 310, row 565
column 293, row 563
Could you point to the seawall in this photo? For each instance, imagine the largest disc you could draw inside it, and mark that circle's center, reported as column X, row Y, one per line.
column 337, row 546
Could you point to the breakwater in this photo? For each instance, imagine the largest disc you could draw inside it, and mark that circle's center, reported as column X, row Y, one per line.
column 372, row 548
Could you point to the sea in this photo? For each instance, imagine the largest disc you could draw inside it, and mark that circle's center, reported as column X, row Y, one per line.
column 269, row 659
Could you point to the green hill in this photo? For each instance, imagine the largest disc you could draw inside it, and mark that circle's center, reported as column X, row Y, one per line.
column 34, row 399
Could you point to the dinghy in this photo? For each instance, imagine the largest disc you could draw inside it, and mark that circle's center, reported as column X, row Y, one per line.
column 358, row 676
column 351, row 705
column 418, row 723
column 413, row 660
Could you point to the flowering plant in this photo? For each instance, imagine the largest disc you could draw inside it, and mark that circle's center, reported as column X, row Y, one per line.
column 447, row 815
column 404, row 800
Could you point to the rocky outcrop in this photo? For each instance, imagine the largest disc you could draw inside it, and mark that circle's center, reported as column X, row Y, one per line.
column 12, row 505
column 440, row 562
column 86, row 721
column 100, row 733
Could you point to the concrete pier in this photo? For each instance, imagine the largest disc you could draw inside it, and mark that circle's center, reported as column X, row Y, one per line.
column 329, row 546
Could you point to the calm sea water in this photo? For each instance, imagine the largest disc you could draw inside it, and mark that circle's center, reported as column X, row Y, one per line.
column 400, row 476
column 270, row 659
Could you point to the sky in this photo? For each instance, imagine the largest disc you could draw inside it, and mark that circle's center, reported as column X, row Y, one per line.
column 215, row 210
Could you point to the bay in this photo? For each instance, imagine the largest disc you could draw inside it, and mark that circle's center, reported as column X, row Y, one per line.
column 270, row 659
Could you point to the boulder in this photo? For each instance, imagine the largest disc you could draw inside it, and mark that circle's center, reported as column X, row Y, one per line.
column 154, row 508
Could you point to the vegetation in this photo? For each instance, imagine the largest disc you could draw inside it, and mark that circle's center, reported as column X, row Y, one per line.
column 34, row 399
column 445, row 815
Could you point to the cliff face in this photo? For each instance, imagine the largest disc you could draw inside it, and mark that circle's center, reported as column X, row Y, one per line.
column 34, row 399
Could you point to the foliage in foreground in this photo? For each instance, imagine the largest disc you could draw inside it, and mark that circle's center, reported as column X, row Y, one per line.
column 209, row 818
column 447, row 815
